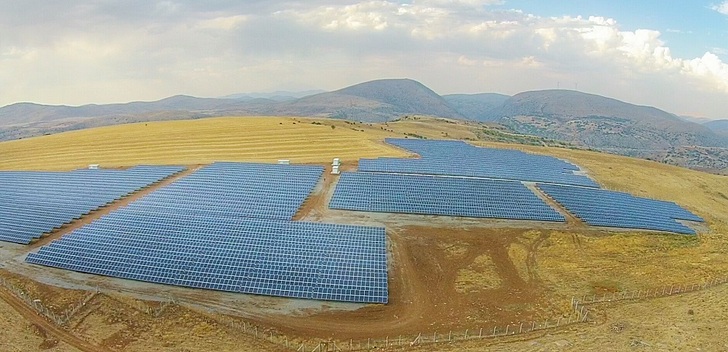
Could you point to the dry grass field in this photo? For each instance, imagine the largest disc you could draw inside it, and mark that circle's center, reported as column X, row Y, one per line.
column 262, row 139
column 483, row 274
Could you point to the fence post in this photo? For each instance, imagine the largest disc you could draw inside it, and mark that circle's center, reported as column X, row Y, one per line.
column 480, row 334
column 507, row 326
column 520, row 328
column 466, row 334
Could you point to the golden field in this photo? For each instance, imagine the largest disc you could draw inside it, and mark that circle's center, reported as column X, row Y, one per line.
column 188, row 142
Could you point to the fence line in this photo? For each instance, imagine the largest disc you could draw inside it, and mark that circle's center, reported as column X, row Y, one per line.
column 34, row 303
column 662, row 291
column 580, row 313
column 68, row 315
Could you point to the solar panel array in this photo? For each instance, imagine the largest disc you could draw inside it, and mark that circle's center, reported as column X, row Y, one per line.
column 267, row 257
column 457, row 158
column 255, row 190
column 33, row 203
column 226, row 227
column 599, row 207
column 437, row 195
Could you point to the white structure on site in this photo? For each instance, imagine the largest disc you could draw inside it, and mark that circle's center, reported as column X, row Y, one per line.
column 335, row 166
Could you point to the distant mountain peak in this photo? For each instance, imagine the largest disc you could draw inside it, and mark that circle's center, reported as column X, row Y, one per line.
column 378, row 100
column 600, row 122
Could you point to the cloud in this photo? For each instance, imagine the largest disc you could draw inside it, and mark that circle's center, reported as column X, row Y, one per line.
column 722, row 7
column 97, row 51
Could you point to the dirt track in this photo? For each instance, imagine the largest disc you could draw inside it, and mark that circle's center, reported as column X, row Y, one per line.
column 422, row 286
column 94, row 215
column 41, row 323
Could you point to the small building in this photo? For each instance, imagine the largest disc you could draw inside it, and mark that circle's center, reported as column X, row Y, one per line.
column 335, row 166
column 284, row 162
column 93, row 166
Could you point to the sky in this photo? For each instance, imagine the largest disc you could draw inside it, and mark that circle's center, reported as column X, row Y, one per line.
column 669, row 54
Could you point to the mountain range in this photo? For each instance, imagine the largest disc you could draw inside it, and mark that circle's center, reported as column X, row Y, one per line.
column 578, row 118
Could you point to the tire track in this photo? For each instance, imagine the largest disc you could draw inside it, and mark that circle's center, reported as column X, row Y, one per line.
column 29, row 314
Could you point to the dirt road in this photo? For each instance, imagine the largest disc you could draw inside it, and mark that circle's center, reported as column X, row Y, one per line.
column 41, row 323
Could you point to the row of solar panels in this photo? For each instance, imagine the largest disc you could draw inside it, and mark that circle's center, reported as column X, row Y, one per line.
column 599, row 207
column 449, row 148
column 226, row 227
column 236, row 189
column 333, row 262
column 416, row 194
column 34, row 203
column 458, row 158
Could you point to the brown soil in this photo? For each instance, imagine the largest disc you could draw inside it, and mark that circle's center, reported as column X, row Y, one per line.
column 316, row 204
column 422, row 294
column 43, row 327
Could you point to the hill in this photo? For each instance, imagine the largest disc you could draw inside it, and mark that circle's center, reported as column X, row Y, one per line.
column 264, row 139
column 24, row 113
column 719, row 126
column 275, row 96
column 601, row 122
column 379, row 100
column 476, row 107
column 560, row 116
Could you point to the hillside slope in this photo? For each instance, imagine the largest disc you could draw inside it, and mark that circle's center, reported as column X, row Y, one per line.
column 476, row 107
column 379, row 100
column 600, row 122
column 24, row 113
column 718, row 126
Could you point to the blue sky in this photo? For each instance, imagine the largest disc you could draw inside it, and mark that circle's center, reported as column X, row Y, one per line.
column 671, row 55
column 690, row 28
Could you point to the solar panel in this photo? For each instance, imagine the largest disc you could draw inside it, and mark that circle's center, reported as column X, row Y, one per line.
column 33, row 203
column 599, row 207
column 434, row 195
column 226, row 227
column 457, row 158
column 267, row 257
column 236, row 189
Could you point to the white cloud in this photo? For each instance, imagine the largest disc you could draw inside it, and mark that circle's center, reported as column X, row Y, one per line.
column 722, row 7
column 373, row 15
column 155, row 49
column 223, row 22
